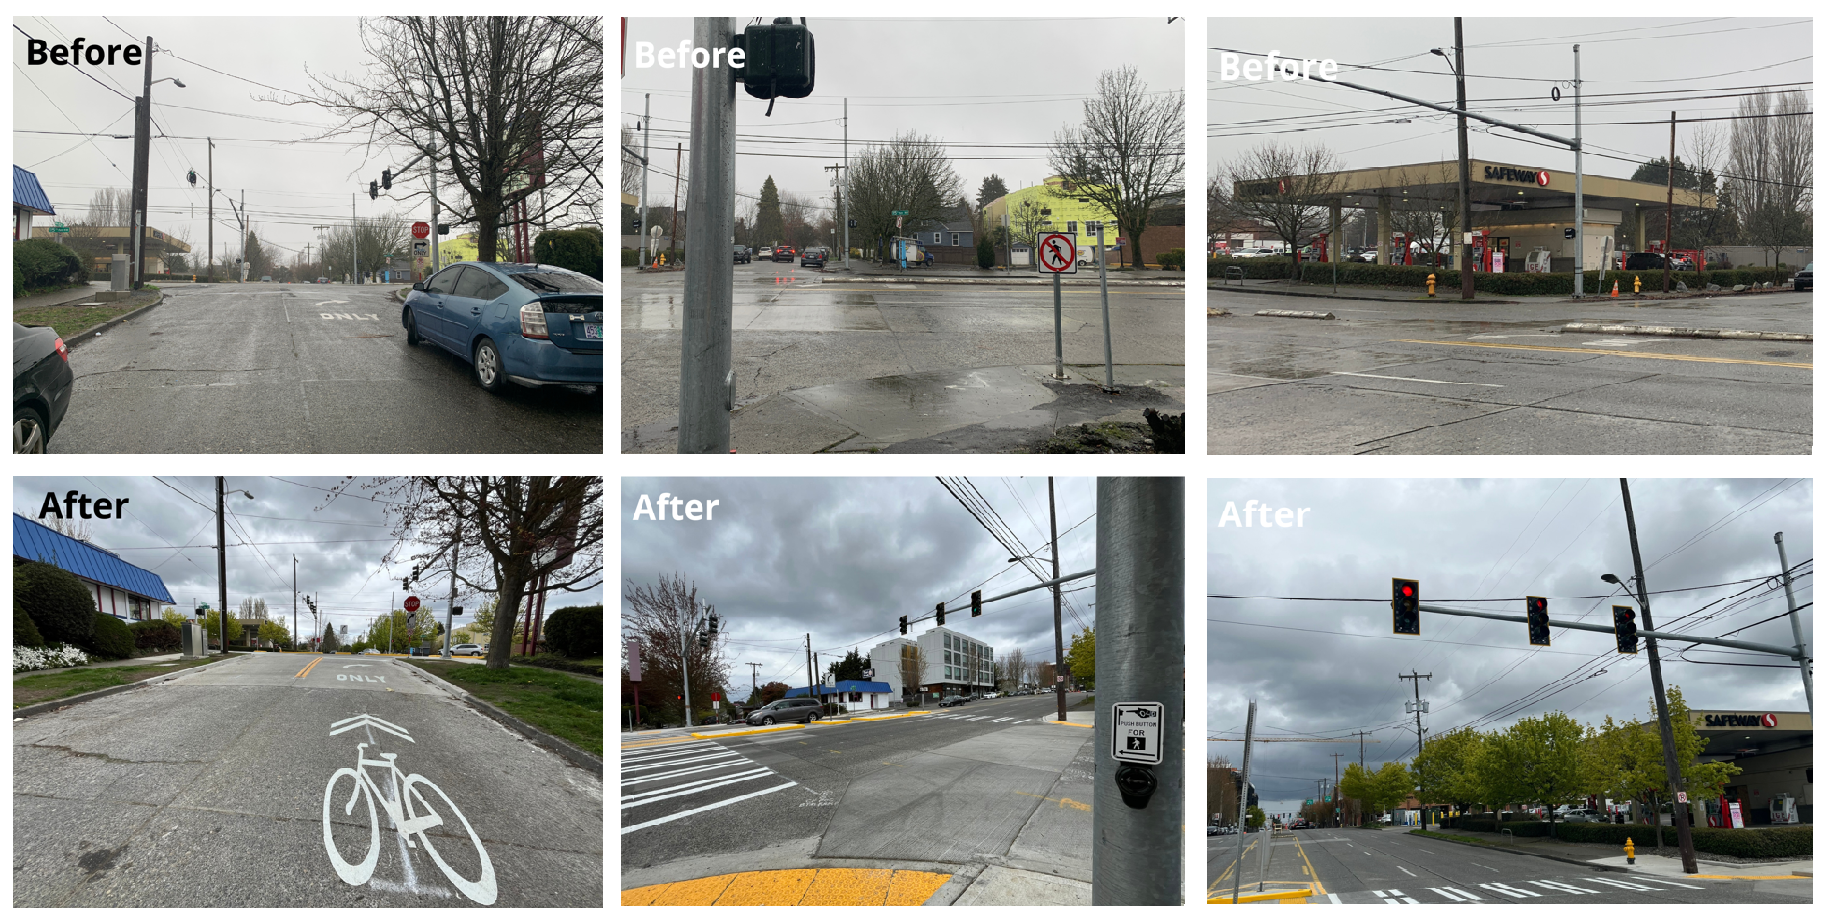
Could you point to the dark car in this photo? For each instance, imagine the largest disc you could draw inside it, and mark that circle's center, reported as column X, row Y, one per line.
column 42, row 381
column 534, row 325
column 1215, row 830
column 1643, row 261
column 814, row 257
column 1301, row 824
column 1804, row 279
column 948, row 701
column 801, row 710
column 741, row 254
column 784, row 254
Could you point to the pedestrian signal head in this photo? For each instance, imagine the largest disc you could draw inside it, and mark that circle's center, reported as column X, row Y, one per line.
column 1539, row 630
column 1406, row 607
column 1623, row 618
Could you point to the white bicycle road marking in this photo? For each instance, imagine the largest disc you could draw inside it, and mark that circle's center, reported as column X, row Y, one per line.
column 366, row 720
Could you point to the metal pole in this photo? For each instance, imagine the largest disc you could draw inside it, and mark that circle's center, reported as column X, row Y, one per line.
column 1247, row 755
column 642, row 205
column 1578, row 187
column 687, row 691
column 1056, row 291
column 222, row 572
column 808, row 657
column 1056, row 601
column 674, row 210
column 846, row 181
column 295, row 601
column 210, row 213
column 1467, row 278
column 1667, row 235
column 1794, row 621
column 1139, row 657
column 1688, row 862
column 1107, row 334
column 706, row 330
column 352, row 235
column 452, row 590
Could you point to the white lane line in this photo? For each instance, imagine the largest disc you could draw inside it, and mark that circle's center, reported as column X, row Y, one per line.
column 680, row 772
column 1562, row 888
column 1376, row 376
column 1409, row 873
column 708, row 807
column 676, row 791
column 1454, row 894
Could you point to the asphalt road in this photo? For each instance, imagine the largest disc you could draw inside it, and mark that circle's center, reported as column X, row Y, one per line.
column 1415, row 378
column 300, row 368
column 988, row 782
column 790, row 333
column 1393, row 866
column 211, row 790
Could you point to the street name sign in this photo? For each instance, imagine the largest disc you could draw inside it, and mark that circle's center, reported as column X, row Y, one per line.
column 1056, row 252
column 1139, row 732
column 900, row 213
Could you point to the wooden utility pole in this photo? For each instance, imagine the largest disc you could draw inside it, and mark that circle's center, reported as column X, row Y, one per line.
column 1667, row 241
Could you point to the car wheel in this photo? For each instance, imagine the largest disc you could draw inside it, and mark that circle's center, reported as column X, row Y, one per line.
column 812, row 717
column 413, row 328
column 768, row 720
column 487, row 366
column 29, row 431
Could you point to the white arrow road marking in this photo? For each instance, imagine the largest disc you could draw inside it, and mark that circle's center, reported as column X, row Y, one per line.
column 1564, row 888
column 1452, row 893
column 1376, row 376
column 329, row 302
column 366, row 721
column 1517, row 893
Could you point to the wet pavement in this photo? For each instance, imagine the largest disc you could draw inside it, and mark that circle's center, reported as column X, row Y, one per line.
column 883, row 367
column 1412, row 377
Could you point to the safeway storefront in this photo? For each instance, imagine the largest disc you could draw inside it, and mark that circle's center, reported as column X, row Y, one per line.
column 1775, row 750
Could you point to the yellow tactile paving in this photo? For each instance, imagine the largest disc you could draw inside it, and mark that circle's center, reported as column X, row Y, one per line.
column 796, row 887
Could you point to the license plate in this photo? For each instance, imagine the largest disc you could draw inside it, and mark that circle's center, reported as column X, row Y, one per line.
column 594, row 330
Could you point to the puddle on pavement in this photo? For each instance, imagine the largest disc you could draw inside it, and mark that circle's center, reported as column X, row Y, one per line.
column 652, row 311
column 813, row 311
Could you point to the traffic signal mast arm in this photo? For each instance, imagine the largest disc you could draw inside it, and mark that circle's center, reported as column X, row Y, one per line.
column 1789, row 653
column 1041, row 585
column 1566, row 142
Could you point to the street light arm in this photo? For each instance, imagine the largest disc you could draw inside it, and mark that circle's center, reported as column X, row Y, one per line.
column 1566, row 142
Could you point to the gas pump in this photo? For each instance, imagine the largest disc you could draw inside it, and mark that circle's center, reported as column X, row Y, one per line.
column 1498, row 254
column 1403, row 244
column 1479, row 250
column 1322, row 242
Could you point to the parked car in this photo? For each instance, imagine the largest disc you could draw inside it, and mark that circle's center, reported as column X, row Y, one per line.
column 741, row 254
column 468, row 650
column 1642, row 261
column 1215, row 830
column 42, row 383
column 372, row 651
column 533, row 325
column 814, row 257
column 784, row 254
column 1260, row 252
column 1804, row 279
column 950, row 701
column 804, row 710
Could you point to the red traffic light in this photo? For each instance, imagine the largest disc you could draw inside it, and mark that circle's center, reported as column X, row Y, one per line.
column 1406, row 590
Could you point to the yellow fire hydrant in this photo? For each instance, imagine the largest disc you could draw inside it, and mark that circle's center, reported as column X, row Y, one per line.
column 1629, row 849
column 1432, row 285
column 1638, row 284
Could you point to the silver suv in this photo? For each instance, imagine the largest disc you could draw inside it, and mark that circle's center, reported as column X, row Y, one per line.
column 798, row 710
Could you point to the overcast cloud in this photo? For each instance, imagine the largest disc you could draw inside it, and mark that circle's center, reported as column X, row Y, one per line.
column 339, row 543
column 842, row 558
column 1329, row 669
column 1635, row 70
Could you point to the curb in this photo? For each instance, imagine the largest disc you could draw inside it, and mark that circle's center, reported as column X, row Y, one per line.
column 1261, row 897
column 1296, row 314
column 55, row 704
column 1027, row 282
column 1558, row 858
column 1300, row 293
column 566, row 750
column 1678, row 332
column 87, row 334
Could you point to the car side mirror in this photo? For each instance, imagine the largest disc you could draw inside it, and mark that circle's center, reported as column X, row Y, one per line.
column 420, row 285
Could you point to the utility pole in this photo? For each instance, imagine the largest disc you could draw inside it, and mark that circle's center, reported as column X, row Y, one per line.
column 295, row 601
column 753, row 667
column 243, row 274
column 642, row 204
column 222, row 571
column 143, row 143
column 1056, row 604
column 1788, row 588
column 1682, row 819
column 1667, row 235
column 846, row 233
column 210, row 218
column 808, row 657
column 1362, row 748
column 1578, row 188
column 1418, row 708
column 1139, row 662
column 707, row 383
column 1336, row 760
column 674, row 209
column 1467, row 274
column 452, row 590
column 353, row 277
column 1247, row 756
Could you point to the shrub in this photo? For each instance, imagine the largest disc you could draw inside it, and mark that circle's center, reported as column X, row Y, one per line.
column 25, row 632
column 575, row 250
column 630, row 256
column 57, row 601
column 48, row 263
column 47, row 658
column 1775, row 842
column 154, row 635
column 1171, row 261
column 576, row 631
column 110, row 639
column 983, row 251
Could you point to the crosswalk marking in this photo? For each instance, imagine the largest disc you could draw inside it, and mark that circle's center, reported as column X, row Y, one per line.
column 682, row 761
column 998, row 720
column 670, row 752
column 1564, row 888
column 1394, row 896
column 680, row 772
column 1452, row 893
column 716, row 804
column 1675, row 883
column 1625, row 885
column 676, row 791
column 1506, row 890
column 981, row 718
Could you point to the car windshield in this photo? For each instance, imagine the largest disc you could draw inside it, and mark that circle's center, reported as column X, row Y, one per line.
column 544, row 282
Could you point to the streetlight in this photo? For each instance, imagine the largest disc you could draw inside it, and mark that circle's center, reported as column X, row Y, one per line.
column 1466, row 274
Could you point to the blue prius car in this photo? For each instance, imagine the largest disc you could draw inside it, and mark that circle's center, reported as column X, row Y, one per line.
column 537, row 325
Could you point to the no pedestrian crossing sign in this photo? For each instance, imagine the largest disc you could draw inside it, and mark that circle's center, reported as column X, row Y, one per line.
column 1056, row 252
column 1138, row 732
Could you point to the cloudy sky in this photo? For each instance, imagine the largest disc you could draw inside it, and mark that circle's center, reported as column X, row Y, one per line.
column 293, row 182
column 995, row 90
column 1635, row 70
column 1329, row 669
column 169, row 528
column 843, row 558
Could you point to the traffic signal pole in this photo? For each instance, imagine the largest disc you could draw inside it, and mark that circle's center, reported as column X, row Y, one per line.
column 1139, row 658
column 1056, row 598
column 1794, row 621
column 1682, row 819
column 707, row 384
column 1247, row 756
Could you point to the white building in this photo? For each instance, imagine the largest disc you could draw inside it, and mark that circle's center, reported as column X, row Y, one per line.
column 952, row 662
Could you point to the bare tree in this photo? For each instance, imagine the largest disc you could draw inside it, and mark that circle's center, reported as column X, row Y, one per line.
column 912, row 173
column 1127, row 155
column 664, row 618
column 1431, row 216
column 1013, row 664
column 513, row 106
column 1770, row 169
column 504, row 536
column 1221, row 204
column 631, row 176
column 1286, row 189
column 912, row 664
column 108, row 207
column 377, row 238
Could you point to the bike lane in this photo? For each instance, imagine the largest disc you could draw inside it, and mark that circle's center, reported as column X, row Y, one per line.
column 211, row 789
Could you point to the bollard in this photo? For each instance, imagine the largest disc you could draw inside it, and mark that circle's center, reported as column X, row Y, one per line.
column 1629, row 848
column 1638, row 284
column 1432, row 285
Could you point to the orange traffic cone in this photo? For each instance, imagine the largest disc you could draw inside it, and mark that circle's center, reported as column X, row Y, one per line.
column 1613, row 289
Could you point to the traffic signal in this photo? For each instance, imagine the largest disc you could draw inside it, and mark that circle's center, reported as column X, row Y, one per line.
column 705, row 641
column 976, row 603
column 636, row 224
column 372, row 191
column 712, row 623
column 940, row 612
column 1406, row 607
column 779, row 60
column 1538, row 630
column 388, row 179
column 191, row 176
column 903, row 625
column 1624, row 619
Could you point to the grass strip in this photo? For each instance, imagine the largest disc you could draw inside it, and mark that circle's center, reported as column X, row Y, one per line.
column 567, row 707
column 45, row 687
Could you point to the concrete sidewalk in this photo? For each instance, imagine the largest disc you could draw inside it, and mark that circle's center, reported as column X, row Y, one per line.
column 1647, row 862
column 60, row 297
column 129, row 662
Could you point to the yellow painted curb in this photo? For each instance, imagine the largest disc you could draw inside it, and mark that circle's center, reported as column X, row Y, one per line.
column 657, row 742
column 768, row 730
column 796, row 887
column 1273, row 895
column 1073, row 724
column 1745, row 877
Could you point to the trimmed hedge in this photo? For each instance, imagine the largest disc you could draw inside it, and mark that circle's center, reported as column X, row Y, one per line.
column 62, row 608
column 25, row 631
column 1773, row 842
column 44, row 263
column 1172, row 260
column 575, row 250
column 630, row 257
column 110, row 639
column 576, row 631
column 1515, row 283
column 155, row 635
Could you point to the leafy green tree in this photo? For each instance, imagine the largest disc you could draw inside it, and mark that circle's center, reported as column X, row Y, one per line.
column 992, row 188
column 1081, row 657
column 1445, row 769
column 1256, row 818
column 172, row 615
column 1380, row 790
column 1625, row 760
column 770, row 692
column 851, row 667
column 1537, row 760
column 272, row 630
column 769, row 228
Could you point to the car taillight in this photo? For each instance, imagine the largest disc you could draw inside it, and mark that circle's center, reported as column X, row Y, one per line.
column 534, row 321
column 62, row 351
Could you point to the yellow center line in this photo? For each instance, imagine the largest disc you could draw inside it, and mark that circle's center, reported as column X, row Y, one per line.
column 308, row 668
column 1316, row 885
column 1648, row 355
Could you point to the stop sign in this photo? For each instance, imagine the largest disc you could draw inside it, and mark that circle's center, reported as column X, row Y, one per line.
column 421, row 230
column 412, row 604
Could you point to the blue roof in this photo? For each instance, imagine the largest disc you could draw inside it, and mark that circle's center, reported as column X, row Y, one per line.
column 842, row 686
column 37, row 542
column 27, row 192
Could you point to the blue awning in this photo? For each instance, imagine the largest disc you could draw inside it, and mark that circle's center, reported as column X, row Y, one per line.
column 27, row 193
column 35, row 541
